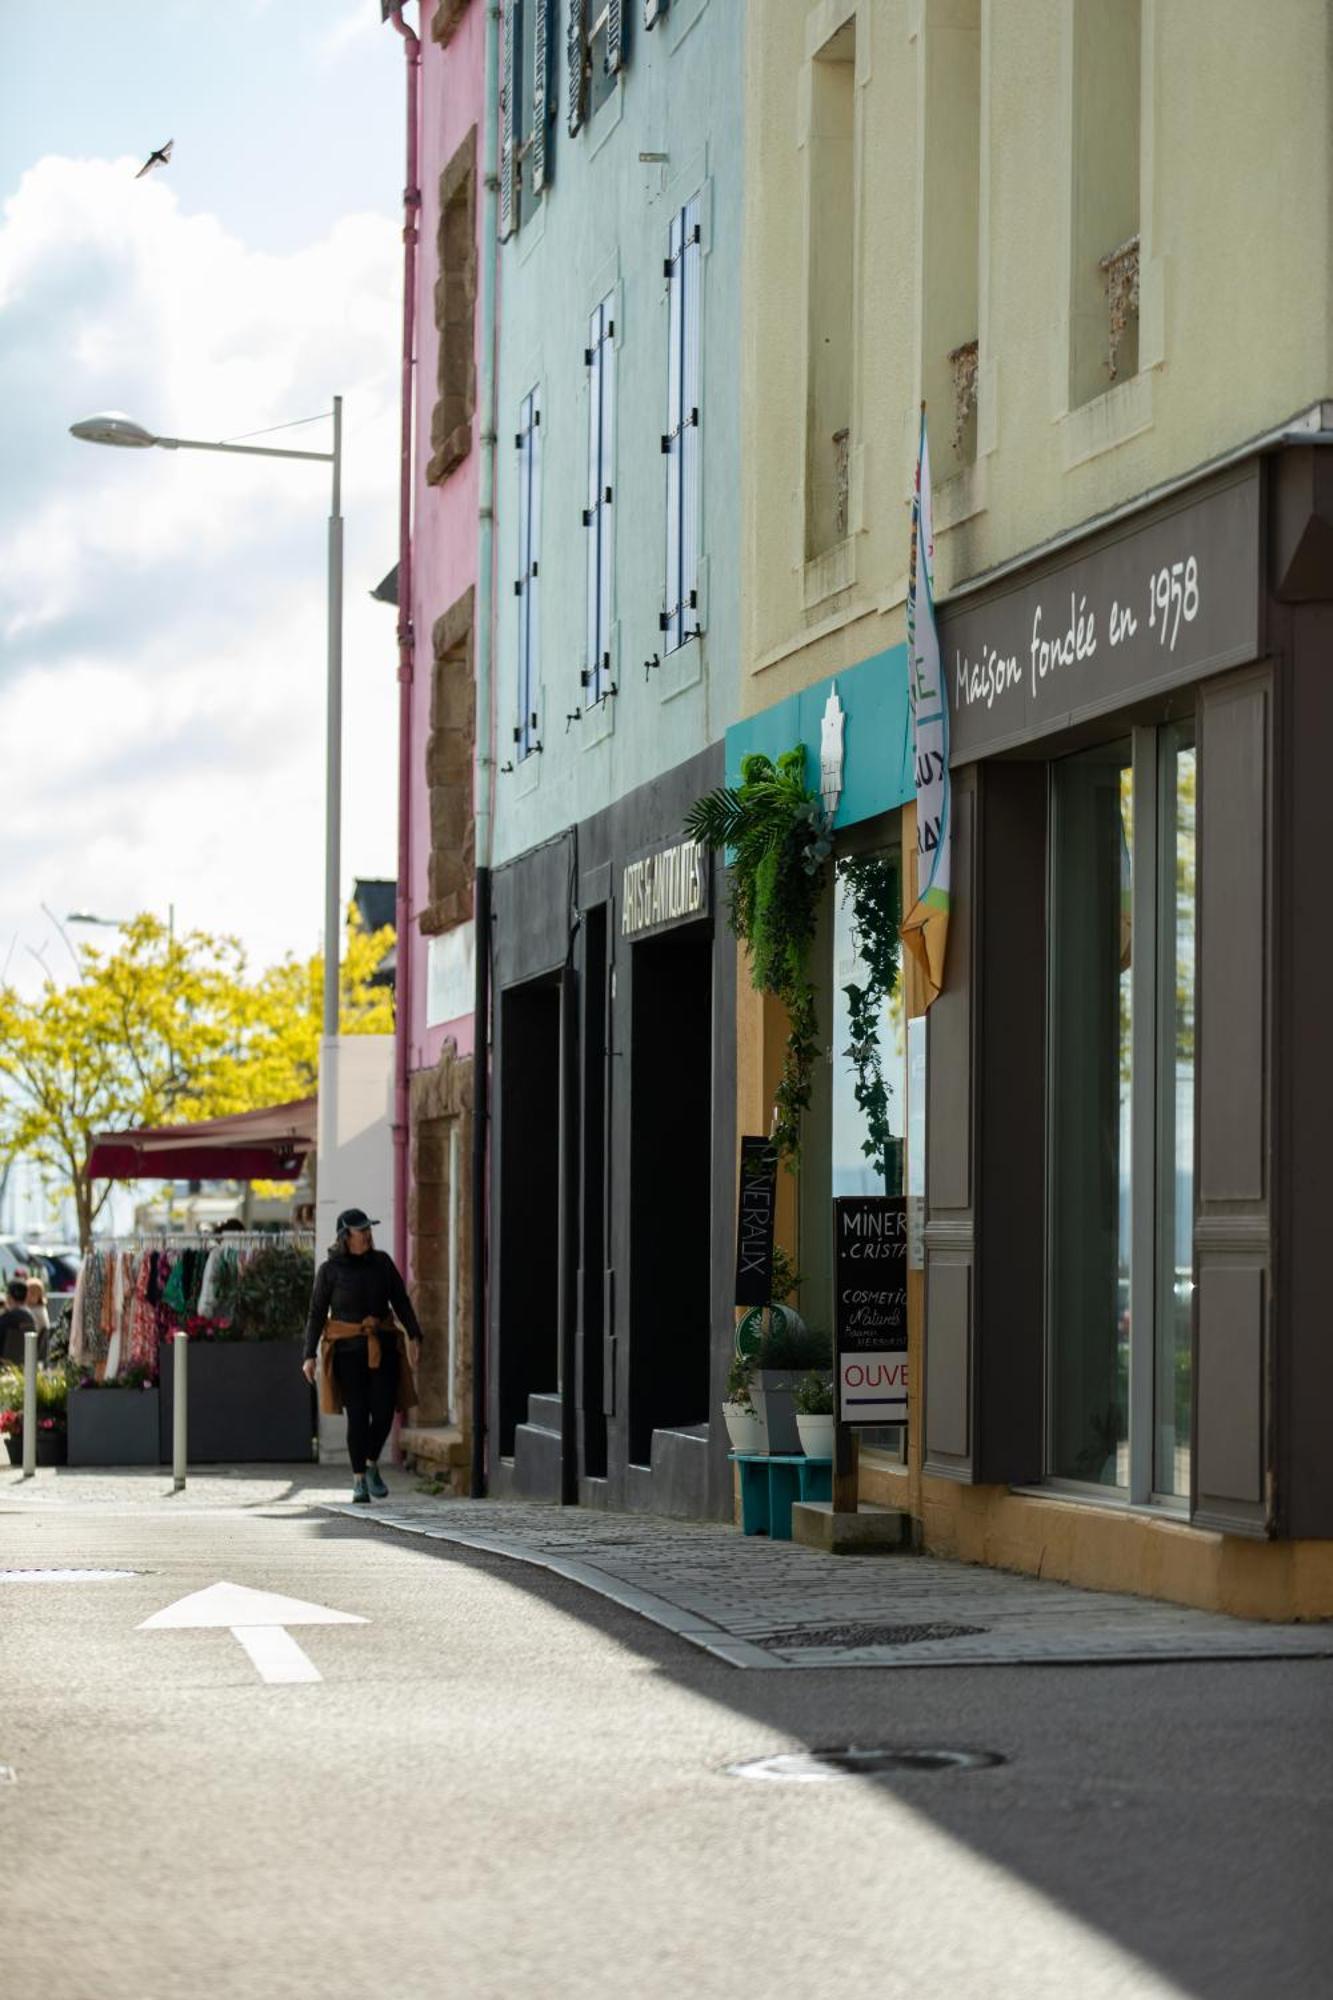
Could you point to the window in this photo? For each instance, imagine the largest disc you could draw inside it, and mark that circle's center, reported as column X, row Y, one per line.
column 684, row 273
column 455, row 304
column 830, row 304
column 528, row 442
column 596, row 47
column 1104, row 216
column 527, row 102
column 600, row 356
column 1121, row 1202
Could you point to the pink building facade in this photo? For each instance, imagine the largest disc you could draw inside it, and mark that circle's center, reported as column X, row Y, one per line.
column 439, row 595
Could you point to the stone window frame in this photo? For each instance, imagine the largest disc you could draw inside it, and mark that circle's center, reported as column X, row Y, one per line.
column 455, row 313
column 450, row 748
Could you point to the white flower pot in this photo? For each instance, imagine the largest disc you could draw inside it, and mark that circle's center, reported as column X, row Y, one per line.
column 816, row 1435
column 746, row 1431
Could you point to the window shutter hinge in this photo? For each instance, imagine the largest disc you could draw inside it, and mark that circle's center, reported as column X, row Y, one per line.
column 664, row 621
column 518, row 440
column 587, row 517
column 666, row 442
column 608, row 496
column 694, row 416
column 585, row 675
column 668, row 266
column 588, row 356
column 518, row 586
column 698, row 235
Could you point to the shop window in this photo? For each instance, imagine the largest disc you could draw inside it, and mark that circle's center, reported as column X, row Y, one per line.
column 455, row 310
column 830, row 300
column 680, row 444
column 1104, row 208
column 951, row 197
column 527, row 581
column 1121, row 1098
column 600, row 359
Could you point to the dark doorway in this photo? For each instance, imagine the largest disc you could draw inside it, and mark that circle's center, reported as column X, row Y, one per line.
column 592, row 1246
column 528, row 1277
column 671, row 1111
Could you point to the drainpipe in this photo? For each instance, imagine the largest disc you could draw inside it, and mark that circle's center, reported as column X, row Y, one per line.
column 485, row 735
column 403, row 903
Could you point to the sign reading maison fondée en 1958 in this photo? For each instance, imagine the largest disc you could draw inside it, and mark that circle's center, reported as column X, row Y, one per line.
column 666, row 887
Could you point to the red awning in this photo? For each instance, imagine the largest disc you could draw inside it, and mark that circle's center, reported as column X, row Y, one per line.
column 268, row 1145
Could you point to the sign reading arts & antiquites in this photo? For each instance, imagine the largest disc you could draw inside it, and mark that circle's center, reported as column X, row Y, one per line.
column 870, row 1315
column 755, row 1211
column 666, row 887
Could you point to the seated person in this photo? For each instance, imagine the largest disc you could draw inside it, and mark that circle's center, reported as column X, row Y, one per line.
column 15, row 1321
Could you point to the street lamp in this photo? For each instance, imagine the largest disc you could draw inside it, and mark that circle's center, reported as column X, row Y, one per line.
column 118, row 923
column 113, row 427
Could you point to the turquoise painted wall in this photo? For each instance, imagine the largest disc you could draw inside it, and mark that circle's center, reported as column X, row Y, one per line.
column 877, row 760
column 602, row 228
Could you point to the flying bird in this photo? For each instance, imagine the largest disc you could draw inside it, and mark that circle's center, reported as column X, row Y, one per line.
column 157, row 159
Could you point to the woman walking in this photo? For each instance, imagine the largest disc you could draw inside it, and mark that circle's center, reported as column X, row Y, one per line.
column 359, row 1308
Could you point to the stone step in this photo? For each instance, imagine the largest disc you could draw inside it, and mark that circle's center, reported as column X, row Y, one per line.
column 544, row 1412
column 886, row 1529
column 434, row 1444
column 537, row 1462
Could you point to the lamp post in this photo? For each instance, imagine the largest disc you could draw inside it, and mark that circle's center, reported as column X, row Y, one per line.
column 117, row 429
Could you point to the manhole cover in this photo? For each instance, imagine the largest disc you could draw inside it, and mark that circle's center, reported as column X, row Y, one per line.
column 819, row 1766
column 865, row 1635
column 65, row 1575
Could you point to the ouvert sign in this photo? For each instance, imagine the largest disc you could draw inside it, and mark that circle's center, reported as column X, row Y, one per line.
column 1160, row 601
column 668, row 886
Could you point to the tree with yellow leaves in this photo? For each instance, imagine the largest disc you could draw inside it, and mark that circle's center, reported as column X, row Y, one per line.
column 166, row 1030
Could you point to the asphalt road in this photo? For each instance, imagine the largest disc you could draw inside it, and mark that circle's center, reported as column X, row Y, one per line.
column 503, row 1786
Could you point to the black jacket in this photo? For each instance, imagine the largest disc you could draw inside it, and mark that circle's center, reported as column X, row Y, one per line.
column 14, row 1323
column 355, row 1288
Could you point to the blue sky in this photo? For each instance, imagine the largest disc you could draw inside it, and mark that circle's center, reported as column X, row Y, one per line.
column 162, row 615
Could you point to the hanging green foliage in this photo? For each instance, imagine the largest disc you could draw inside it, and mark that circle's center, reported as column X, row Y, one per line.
column 870, row 885
column 781, row 843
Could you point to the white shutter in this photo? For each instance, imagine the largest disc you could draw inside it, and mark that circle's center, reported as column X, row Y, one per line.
column 671, row 441
column 606, row 511
column 508, row 90
column 592, row 512
column 691, row 318
column 543, row 76
column 617, row 49
column 576, row 64
column 526, row 584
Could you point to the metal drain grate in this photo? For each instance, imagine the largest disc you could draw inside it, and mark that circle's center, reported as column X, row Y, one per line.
column 65, row 1575
column 805, row 1767
column 848, row 1636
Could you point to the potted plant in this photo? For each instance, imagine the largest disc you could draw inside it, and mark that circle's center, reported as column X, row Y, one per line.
column 813, row 1397
column 788, row 1350
column 248, row 1401
column 745, row 1427
column 114, row 1423
column 52, row 1390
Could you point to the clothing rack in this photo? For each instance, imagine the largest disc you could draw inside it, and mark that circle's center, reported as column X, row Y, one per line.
column 227, row 1239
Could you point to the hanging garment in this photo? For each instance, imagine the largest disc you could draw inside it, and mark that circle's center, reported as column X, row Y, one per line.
column 94, row 1339
column 76, row 1349
column 141, row 1347
column 209, row 1282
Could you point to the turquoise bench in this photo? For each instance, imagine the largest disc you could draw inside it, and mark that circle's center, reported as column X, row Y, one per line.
column 772, row 1483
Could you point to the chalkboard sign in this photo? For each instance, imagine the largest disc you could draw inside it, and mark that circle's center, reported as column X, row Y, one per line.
column 754, row 1222
column 870, row 1268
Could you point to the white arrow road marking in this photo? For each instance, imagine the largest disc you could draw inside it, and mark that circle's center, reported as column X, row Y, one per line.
column 258, row 1619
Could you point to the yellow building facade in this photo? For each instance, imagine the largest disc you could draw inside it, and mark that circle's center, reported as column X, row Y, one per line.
column 1093, row 238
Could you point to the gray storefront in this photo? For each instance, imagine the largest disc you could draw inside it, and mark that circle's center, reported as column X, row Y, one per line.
column 612, row 1150
column 1129, row 1077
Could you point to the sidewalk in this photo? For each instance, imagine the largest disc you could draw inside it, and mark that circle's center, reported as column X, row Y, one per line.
column 757, row 1603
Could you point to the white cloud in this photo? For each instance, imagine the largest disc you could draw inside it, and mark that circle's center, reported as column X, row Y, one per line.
column 162, row 616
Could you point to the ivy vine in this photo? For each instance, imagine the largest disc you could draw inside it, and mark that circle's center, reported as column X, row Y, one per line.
column 871, row 887
column 781, row 842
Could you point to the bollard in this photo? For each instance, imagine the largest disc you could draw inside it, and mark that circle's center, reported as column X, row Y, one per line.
column 181, row 1356
column 29, row 1402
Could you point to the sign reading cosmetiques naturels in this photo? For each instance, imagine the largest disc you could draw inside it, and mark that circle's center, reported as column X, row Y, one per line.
column 666, row 887
column 1161, row 603
column 754, row 1222
column 870, row 1317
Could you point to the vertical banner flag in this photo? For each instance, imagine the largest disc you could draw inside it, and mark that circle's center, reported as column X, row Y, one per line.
column 925, row 927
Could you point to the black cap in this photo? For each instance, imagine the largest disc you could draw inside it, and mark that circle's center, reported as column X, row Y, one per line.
column 355, row 1218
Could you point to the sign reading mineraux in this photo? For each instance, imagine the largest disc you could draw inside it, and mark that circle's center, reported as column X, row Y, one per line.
column 754, row 1222
column 870, row 1272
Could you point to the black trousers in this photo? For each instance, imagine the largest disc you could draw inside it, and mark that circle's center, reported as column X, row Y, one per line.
column 369, row 1397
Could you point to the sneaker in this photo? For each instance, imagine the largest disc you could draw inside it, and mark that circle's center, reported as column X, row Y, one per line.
column 359, row 1492
column 378, row 1490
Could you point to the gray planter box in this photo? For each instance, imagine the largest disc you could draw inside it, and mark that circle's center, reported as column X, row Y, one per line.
column 248, row 1403
column 771, row 1394
column 113, row 1427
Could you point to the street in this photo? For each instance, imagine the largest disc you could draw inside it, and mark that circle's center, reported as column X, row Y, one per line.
column 501, row 1784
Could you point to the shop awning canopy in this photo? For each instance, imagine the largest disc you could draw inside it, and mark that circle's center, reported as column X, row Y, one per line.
column 268, row 1145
